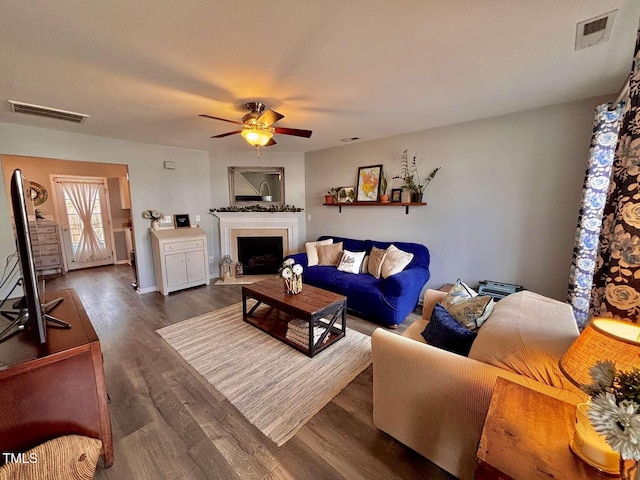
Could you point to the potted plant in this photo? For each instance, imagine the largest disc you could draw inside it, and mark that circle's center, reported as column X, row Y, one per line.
column 384, row 198
column 410, row 176
column 332, row 195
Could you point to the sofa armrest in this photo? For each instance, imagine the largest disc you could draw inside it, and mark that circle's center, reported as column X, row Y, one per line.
column 431, row 297
column 435, row 401
column 407, row 282
column 299, row 258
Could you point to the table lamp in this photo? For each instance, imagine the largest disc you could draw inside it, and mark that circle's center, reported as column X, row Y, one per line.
column 602, row 339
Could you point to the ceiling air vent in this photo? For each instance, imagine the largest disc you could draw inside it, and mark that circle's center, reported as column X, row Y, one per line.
column 595, row 31
column 40, row 111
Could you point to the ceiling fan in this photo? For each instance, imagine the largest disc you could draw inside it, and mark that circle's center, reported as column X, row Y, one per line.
column 257, row 126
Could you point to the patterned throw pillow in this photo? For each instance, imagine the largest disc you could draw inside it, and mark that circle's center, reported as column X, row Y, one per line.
column 329, row 254
column 376, row 257
column 351, row 261
column 395, row 261
column 312, row 250
column 468, row 308
column 443, row 331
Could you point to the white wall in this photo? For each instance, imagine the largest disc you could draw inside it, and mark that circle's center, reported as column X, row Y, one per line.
column 294, row 187
column 503, row 207
column 184, row 190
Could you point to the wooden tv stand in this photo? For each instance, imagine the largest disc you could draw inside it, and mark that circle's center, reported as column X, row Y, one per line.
column 54, row 389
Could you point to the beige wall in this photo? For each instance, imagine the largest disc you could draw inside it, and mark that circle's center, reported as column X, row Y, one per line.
column 503, row 207
column 37, row 169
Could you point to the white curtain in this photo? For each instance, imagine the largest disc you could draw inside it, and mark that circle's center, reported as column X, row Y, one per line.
column 83, row 196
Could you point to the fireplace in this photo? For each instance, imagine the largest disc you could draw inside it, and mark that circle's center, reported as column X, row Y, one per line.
column 260, row 255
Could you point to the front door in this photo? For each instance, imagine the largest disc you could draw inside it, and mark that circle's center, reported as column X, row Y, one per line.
column 82, row 207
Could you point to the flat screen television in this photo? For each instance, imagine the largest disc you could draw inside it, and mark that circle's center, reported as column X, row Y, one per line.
column 31, row 313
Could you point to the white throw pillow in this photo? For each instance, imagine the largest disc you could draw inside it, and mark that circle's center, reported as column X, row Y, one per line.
column 351, row 261
column 312, row 251
column 395, row 261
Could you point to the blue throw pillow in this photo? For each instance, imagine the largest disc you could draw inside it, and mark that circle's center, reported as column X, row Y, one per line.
column 443, row 331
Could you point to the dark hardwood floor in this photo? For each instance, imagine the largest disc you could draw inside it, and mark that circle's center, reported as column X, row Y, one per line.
column 169, row 423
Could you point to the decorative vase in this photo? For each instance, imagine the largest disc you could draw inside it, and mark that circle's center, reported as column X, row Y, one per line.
column 293, row 285
column 417, row 197
column 591, row 447
column 405, row 196
column 629, row 469
column 384, row 198
column 155, row 225
column 328, row 199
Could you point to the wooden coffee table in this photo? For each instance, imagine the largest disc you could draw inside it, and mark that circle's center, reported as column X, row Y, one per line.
column 317, row 307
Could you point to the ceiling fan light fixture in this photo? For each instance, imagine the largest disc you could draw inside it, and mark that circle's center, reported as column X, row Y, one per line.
column 256, row 137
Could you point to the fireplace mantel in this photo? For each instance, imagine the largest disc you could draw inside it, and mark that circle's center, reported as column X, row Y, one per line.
column 259, row 223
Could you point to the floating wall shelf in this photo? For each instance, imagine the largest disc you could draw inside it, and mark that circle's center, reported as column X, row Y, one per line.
column 376, row 204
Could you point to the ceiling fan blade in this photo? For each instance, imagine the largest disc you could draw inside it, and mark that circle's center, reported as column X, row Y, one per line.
column 270, row 142
column 293, row 131
column 270, row 117
column 218, row 118
column 222, row 135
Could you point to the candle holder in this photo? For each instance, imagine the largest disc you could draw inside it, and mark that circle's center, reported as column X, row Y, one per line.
column 591, row 447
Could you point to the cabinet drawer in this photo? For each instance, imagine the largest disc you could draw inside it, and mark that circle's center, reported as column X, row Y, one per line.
column 45, row 249
column 177, row 246
column 45, row 238
column 40, row 229
column 48, row 261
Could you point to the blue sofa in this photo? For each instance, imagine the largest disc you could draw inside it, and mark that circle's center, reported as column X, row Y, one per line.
column 385, row 301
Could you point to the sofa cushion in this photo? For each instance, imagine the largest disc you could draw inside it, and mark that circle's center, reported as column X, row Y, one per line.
column 467, row 307
column 395, row 261
column 351, row 261
column 329, row 254
column 312, row 251
column 376, row 257
column 527, row 334
column 443, row 331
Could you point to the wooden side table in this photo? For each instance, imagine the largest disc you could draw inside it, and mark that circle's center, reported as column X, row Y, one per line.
column 526, row 436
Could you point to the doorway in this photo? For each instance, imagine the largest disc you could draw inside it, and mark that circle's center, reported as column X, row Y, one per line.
column 85, row 220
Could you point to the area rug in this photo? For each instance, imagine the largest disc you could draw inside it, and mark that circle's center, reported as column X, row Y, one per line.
column 277, row 388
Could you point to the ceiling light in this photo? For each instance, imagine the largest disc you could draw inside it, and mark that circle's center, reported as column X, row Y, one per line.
column 256, row 137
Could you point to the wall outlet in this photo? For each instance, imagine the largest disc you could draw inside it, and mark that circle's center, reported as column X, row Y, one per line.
column 210, row 259
column 167, row 219
column 197, row 218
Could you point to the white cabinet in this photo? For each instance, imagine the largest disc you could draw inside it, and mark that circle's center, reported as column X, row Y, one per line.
column 45, row 241
column 180, row 258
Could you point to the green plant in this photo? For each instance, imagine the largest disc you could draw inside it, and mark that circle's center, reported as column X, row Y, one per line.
column 411, row 177
column 334, row 191
column 383, row 185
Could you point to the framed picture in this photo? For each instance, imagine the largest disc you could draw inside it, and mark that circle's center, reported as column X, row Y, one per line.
column 346, row 195
column 368, row 183
column 396, row 194
column 181, row 220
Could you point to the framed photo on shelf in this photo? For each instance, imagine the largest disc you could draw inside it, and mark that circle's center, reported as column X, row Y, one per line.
column 368, row 183
column 396, row 194
column 181, row 220
column 346, row 195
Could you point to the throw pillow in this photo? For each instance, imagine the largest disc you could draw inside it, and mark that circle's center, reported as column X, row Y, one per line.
column 364, row 266
column 351, row 261
column 312, row 251
column 467, row 307
column 444, row 332
column 376, row 257
column 395, row 261
column 329, row 254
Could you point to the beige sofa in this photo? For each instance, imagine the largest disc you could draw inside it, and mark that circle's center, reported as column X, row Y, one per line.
column 436, row 402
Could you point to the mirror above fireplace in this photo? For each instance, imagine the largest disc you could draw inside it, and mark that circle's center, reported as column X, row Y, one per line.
column 256, row 185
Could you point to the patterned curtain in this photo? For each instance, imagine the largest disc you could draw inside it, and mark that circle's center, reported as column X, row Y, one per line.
column 616, row 282
column 594, row 197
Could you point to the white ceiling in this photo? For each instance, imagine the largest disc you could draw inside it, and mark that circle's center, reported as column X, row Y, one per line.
column 143, row 70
